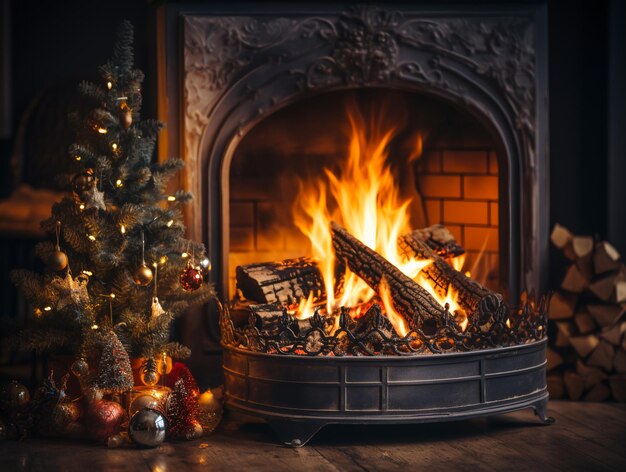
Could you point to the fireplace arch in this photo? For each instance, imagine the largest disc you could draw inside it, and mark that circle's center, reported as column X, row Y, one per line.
column 238, row 69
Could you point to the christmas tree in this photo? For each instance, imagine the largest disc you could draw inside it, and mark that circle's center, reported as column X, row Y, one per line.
column 118, row 260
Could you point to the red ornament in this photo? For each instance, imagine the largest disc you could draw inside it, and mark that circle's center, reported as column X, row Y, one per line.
column 104, row 419
column 191, row 278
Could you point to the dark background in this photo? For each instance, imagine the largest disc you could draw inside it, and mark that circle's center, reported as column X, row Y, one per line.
column 57, row 44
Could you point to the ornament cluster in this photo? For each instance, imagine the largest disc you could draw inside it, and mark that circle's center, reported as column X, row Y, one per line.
column 146, row 416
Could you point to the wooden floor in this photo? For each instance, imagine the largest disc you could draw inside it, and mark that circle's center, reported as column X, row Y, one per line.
column 586, row 436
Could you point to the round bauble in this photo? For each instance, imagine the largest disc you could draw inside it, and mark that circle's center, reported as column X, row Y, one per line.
column 75, row 430
column 194, row 432
column 149, row 377
column 79, row 367
column 147, row 428
column 115, row 441
column 126, row 118
column 57, row 261
column 144, row 401
column 191, row 278
column 210, row 411
column 83, row 181
column 103, row 419
column 15, row 395
column 143, row 275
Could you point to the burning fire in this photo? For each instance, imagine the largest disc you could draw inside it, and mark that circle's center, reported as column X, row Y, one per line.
column 363, row 196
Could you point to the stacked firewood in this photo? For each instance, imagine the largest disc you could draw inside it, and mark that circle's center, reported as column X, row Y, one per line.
column 587, row 353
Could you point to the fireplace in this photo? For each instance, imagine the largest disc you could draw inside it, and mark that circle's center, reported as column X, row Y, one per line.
column 267, row 97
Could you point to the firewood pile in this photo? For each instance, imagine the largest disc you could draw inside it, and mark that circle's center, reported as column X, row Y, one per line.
column 261, row 317
column 587, row 353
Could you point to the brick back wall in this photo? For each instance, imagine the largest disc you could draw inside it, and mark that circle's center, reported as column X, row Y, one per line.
column 460, row 189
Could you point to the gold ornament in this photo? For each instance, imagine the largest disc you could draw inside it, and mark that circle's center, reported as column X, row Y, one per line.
column 126, row 115
column 156, row 309
column 58, row 260
column 210, row 410
column 115, row 441
column 143, row 275
column 149, row 377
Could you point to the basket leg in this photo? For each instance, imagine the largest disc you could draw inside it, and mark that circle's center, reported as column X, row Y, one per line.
column 541, row 411
column 295, row 433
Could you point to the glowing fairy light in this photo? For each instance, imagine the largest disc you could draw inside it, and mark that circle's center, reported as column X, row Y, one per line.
column 170, row 223
column 91, row 237
column 102, row 130
column 87, row 272
column 109, row 85
column 119, row 183
column 81, row 206
column 48, row 308
column 171, row 198
column 123, row 229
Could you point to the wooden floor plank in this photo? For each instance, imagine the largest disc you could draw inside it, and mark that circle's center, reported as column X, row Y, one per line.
column 585, row 437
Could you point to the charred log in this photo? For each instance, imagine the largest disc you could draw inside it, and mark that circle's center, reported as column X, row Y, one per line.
column 410, row 300
column 443, row 275
column 285, row 281
column 439, row 239
column 271, row 319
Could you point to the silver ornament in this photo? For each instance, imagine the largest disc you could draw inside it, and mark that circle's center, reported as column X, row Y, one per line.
column 147, row 428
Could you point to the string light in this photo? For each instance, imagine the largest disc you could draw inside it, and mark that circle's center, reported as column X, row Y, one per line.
column 119, row 183
column 81, row 206
column 38, row 312
column 94, row 327
column 171, row 198
column 163, row 260
column 109, row 85
column 114, row 146
column 48, row 308
column 91, row 236
column 87, row 272
column 185, row 255
column 122, row 229
column 102, row 130
column 170, row 223
column 112, row 295
column 78, row 158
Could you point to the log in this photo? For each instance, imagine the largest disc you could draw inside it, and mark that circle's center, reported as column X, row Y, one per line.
column 619, row 362
column 590, row 375
column 574, row 385
column 618, row 387
column 443, row 275
column 561, row 237
column 605, row 258
column 599, row 393
column 555, row 386
column 606, row 315
column 584, row 345
column 574, row 281
column 610, row 288
column 553, row 359
column 439, row 239
column 613, row 334
column 373, row 318
column 284, row 281
column 584, row 323
column 565, row 331
column 602, row 356
column 409, row 299
column 585, row 266
column 269, row 318
column 561, row 306
column 582, row 246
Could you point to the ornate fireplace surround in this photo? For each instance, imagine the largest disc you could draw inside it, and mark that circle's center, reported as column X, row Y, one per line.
column 222, row 71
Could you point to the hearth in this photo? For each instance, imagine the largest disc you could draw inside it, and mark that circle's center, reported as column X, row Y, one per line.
column 289, row 118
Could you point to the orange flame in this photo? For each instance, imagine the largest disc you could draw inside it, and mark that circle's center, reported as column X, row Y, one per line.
column 363, row 196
